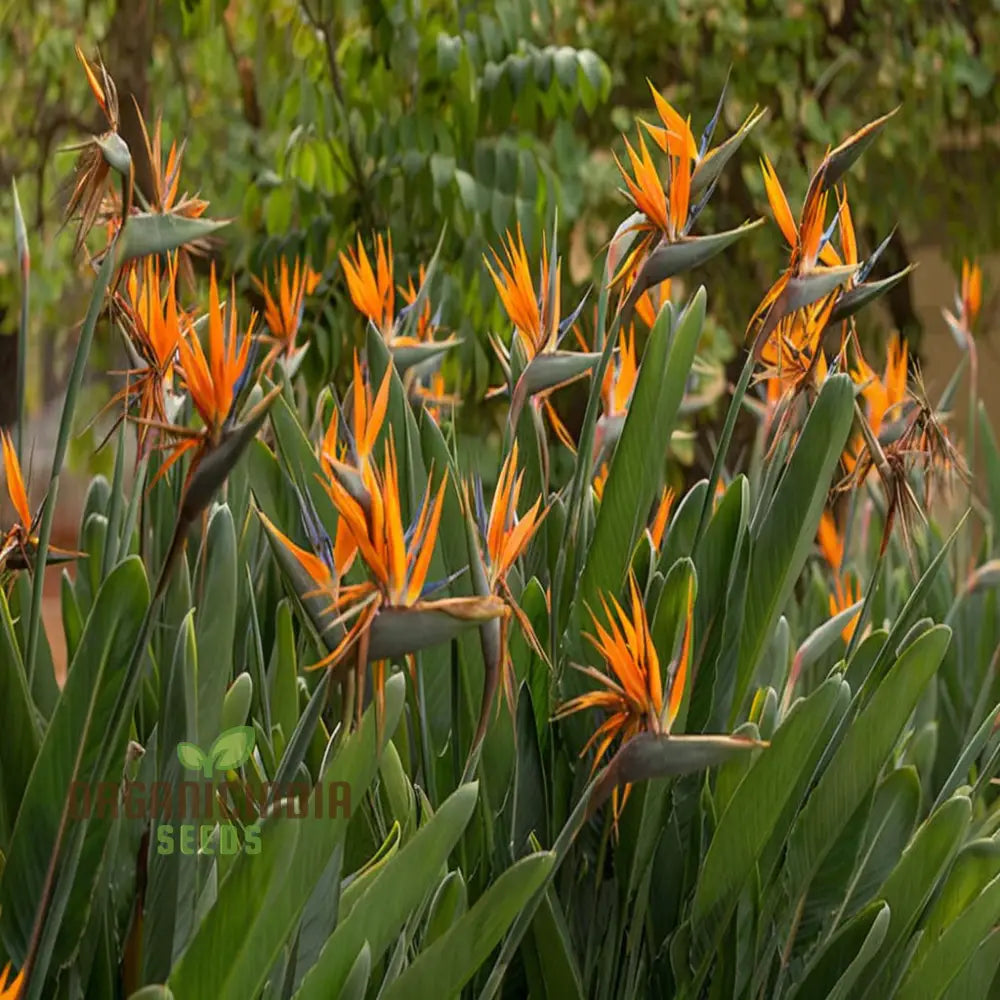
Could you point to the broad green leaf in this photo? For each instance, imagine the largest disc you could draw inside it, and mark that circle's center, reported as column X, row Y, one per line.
column 756, row 807
column 970, row 752
column 450, row 901
column 359, row 882
column 836, row 968
column 855, row 765
column 83, row 726
column 215, row 623
column 320, row 916
column 978, row 975
column 637, row 465
column 893, row 816
column 448, row 964
column 43, row 687
column 976, row 865
column 283, row 672
column 71, row 616
column 230, row 960
column 530, row 796
column 20, row 734
column 716, row 559
column 914, row 879
column 236, row 705
column 356, row 984
column 171, row 883
column 667, row 627
column 152, row 993
column 931, row 973
column 788, row 530
column 558, row 966
column 398, row 790
column 392, row 896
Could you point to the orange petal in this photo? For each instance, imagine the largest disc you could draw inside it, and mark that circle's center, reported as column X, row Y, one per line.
column 15, row 482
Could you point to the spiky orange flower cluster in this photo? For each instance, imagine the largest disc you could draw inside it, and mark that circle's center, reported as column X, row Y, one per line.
column 350, row 462
column 884, row 396
column 968, row 302
column 410, row 337
column 535, row 315
column 507, row 535
column 632, row 695
column 97, row 157
column 94, row 199
column 425, row 329
column 20, row 533
column 665, row 211
column 791, row 354
column 661, row 516
column 648, row 305
column 18, row 543
column 372, row 291
column 153, row 324
column 399, row 567
column 539, row 327
column 212, row 380
column 283, row 309
column 816, row 272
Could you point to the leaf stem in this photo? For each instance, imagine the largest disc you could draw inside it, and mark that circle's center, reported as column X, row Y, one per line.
column 62, row 441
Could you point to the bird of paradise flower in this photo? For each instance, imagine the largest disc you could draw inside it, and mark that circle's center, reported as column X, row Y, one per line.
column 631, row 688
column 18, row 544
column 283, row 312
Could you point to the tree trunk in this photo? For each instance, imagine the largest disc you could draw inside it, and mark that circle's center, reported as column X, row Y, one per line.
column 130, row 53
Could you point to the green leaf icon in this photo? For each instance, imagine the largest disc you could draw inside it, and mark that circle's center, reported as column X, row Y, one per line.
column 194, row 758
column 232, row 748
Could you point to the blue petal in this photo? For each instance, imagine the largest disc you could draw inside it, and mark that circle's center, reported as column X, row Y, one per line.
column 828, row 235
column 706, row 136
column 869, row 264
column 242, row 380
column 480, row 505
column 699, row 207
column 315, row 531
column 435, row 585
column 567, row 324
